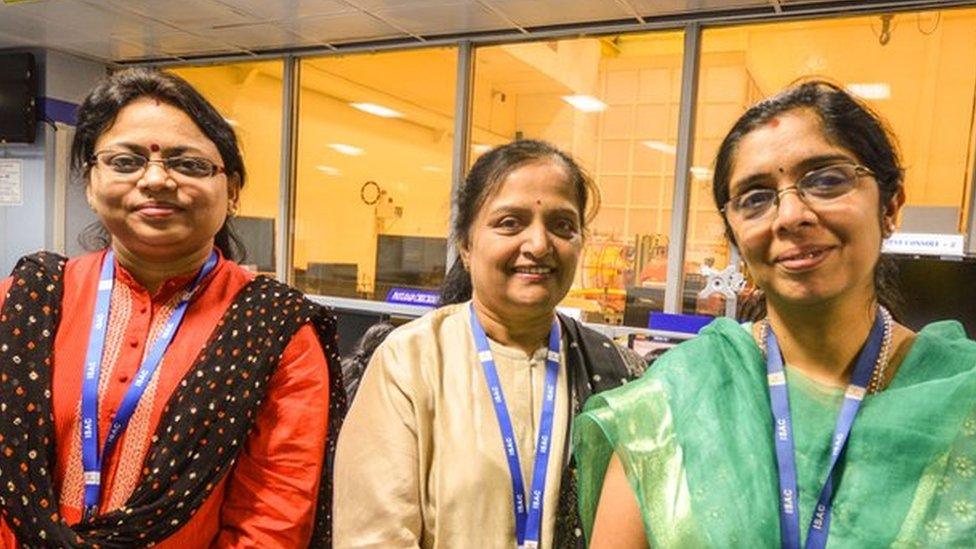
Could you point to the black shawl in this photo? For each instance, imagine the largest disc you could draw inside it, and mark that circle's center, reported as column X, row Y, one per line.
column 200, row 435
column 594, row 364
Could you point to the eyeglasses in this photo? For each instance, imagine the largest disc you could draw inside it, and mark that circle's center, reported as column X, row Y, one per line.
column 816, row 188
column 131, row 166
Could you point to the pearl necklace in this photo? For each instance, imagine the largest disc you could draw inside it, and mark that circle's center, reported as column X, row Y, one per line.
column 877, row 374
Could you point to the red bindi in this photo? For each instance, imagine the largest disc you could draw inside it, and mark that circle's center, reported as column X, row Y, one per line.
column 774, row 122
column 538, row 202
column 154, row 147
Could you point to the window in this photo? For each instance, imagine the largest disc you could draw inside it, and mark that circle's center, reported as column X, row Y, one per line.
column 249, row 96
column 612, row 103
column 917, row 70
column 375, row 137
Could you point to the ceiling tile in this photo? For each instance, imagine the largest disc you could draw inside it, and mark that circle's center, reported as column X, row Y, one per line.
column 345, row 27
column 182, row 43
column 444, row 18
column 183, row 14
column 259, row 36
column 67, row 19
column 116, row 49
column 290, row 9
column 554, row 12
column 659, row 8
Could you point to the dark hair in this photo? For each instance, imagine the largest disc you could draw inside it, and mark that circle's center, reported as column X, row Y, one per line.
column 846, row 122
column 484, row 178
column 354, row 365
column 97, row 114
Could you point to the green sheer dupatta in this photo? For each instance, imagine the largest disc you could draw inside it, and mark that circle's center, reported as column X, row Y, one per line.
column 694, row 436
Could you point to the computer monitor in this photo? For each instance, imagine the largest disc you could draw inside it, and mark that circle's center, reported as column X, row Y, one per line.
column 258, row 236
column 409, row 262
column 937, row 289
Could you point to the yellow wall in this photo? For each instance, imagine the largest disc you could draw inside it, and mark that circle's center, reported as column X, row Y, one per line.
column 249, row 94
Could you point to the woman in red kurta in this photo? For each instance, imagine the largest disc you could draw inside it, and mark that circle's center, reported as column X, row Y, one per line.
column 227, row 438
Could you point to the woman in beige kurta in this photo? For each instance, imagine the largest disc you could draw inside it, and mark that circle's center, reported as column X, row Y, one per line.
column 421, row 460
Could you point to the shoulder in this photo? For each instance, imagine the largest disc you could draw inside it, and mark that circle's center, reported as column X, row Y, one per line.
column 723, row 353
column 431, row 328
column 943, row 349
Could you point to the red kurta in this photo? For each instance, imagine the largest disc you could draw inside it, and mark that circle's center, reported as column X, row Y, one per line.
column 268, row 499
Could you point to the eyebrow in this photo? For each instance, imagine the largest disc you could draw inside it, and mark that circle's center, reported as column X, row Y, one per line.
column 512, row 209
column 799, row 170
column 167, row 152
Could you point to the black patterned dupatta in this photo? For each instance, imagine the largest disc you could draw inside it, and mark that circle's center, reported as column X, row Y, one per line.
column 200, row 435
column 594, row 364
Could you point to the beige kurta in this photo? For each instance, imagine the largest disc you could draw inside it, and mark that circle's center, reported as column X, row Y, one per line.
column 420, row 460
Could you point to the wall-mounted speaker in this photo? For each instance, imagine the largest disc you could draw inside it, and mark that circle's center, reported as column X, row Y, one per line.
column 18, row 97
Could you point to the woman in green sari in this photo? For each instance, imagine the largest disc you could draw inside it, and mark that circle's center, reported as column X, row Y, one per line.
column 824, row 422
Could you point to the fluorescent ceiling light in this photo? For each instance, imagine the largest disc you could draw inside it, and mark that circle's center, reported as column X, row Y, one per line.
column 378, row 110
column 480, row 148
column 346, row 149
column 660, row 146
column 329, row 170
column 870, row 90
column 585, row 103
column 700, row 172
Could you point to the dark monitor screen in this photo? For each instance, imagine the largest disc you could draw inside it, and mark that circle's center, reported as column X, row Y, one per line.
column 258, row 236
column 409, row 261
column 936, row 289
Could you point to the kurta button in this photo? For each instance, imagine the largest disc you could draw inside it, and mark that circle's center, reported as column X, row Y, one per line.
column 123, row 378
column 142, row 311
column 134, row 343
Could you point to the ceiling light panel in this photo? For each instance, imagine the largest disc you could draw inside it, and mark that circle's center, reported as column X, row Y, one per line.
column 585, row 103
column 350, row 150
column 378, row 110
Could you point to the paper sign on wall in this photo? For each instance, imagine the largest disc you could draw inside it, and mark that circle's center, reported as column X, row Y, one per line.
column 11, row 182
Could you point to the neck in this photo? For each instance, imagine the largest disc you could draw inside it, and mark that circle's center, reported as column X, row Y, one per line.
column 525, row 333
column 152, row 272
column 822, row 341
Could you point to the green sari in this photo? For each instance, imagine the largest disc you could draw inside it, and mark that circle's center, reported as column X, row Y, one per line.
column 694, row 436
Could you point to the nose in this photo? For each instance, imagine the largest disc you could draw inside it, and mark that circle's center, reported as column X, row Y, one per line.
column 792, row 211
column 155, row 177
column 537, row 243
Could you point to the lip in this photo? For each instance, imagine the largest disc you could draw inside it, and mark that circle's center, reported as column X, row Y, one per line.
column 157, row 209
column 803, row 258
column 534, row 273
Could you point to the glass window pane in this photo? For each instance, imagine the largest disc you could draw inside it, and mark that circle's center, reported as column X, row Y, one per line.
column 372, row 207
column 625, row 140
column 249, row 96
column 917, row 70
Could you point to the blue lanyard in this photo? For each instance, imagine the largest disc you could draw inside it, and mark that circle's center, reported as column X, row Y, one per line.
column 90, row 457
column 789, row 519
column 528, row 523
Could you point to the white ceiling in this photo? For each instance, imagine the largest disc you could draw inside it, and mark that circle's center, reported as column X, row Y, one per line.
column 131, row 30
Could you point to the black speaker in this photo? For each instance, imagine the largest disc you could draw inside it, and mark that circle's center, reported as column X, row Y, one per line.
column 18, row 92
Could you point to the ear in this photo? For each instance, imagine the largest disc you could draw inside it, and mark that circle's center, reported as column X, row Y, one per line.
column 889, row 215
column 233, row 193
column 88, row 196
column 465, row 254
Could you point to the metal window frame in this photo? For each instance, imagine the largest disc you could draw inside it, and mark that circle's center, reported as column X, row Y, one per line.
column 674, row 280
column 288, row 169
column 692, row 26
column 463, row 96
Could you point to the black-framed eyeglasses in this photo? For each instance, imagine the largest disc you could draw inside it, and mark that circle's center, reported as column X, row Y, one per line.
column 815, row 188
column 131, row 165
